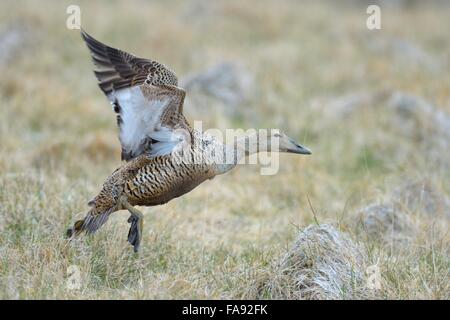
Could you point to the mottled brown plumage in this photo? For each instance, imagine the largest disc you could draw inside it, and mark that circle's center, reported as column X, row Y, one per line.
column 165, row 157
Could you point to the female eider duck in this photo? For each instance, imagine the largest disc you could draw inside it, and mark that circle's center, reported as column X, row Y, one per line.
column 165, row 157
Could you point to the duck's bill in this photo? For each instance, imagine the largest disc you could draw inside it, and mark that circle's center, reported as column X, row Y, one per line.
column 298, row 149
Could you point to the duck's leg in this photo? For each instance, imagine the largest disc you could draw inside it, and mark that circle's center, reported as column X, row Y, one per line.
column 137, row 224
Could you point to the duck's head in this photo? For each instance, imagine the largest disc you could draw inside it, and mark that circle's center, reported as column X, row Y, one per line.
column 279, row 140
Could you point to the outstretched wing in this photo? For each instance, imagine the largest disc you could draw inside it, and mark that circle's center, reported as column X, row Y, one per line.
column 145, row 96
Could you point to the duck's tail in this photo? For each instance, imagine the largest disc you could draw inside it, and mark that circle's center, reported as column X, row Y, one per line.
column 94, row 219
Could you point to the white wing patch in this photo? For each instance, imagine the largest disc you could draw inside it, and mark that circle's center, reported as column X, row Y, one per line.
column 167, row 141
column 141, row 119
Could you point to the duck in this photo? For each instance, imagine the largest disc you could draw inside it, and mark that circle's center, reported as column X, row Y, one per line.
column 164, row 156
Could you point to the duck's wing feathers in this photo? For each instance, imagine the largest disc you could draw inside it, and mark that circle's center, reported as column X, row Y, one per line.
column 117, row 69
column 145, row 96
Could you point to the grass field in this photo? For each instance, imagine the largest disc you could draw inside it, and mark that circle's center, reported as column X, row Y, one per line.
column 318, row 74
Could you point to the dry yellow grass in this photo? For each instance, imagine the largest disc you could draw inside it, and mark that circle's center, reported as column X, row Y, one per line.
column 59, row 142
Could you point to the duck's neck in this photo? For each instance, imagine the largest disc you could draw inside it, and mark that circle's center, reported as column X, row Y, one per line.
column 235, row 152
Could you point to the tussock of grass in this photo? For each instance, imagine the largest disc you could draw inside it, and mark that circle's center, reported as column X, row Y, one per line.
column 323, row 263
column 422, row 197
column 227, row 81
column 385, row 223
